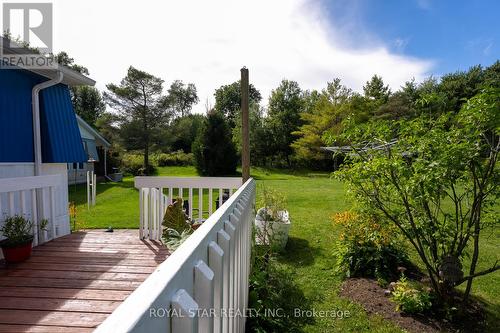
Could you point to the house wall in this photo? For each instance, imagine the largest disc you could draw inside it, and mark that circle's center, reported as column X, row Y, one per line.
column 13, row 170
column 79, row 175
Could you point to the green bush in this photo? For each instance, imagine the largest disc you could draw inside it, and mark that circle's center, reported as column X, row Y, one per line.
column 17, row 230
column 213, row 149
column 410, row 297
column 273, row 288
column 134, row 164
column 367, row 248
column 178, row 158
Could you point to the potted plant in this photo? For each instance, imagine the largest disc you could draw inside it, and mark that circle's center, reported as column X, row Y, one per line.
column 272, row 221
column 43, row 229
column 17, row 245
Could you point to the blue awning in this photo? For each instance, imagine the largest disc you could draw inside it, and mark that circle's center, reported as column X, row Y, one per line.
column 61, row 140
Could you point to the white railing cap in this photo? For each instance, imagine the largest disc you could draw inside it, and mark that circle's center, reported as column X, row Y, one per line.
column 188, row 182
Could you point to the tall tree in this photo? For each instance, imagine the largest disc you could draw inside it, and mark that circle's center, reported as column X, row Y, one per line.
column 326, row 116
column 285, row 106
column 214, row 154
column 88, row 103
column 142, row 107
column 259, row 135
column 182, row 132
column 375, row 90
column 64, row 59
column 182, row 97
column 228, row 100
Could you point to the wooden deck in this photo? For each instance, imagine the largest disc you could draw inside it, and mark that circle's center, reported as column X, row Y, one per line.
column 73, row 283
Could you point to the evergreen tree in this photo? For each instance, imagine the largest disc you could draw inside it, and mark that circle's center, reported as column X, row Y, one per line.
column 213, row 149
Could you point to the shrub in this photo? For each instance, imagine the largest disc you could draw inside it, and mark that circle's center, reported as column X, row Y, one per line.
column 437, row 180
column 17, row 230
column 178, row 158
column 213, row 149
column 410, row 297
column 367, row 248
column 134, row 164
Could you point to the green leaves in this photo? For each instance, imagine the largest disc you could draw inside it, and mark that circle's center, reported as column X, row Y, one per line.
column 437, row 182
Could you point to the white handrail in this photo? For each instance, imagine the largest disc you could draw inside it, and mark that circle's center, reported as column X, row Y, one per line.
column 203, row 285
column 18, row 196
column 156, row 193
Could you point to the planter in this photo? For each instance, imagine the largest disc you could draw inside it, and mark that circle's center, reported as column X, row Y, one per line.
column 18, row 253
column 272, row 232
column 45, row 236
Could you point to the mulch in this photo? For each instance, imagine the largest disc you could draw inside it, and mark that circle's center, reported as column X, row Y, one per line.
column 371, row 296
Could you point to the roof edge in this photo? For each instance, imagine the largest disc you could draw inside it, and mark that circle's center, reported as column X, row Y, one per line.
column 92, row 130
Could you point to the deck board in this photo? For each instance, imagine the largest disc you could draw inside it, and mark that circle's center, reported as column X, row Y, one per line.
column 73, row 283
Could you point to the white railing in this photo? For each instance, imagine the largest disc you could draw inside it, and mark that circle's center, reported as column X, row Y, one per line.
column 156, row 193
column 203, row 285
column 34, row 198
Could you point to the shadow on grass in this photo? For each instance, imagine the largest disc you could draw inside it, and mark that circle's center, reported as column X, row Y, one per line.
column 277, row 303
column 299, row 252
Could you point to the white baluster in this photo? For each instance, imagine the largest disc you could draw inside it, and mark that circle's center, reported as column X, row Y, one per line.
column 204, row 296
column 216, row 263
column 186, row 309
column 224, row 241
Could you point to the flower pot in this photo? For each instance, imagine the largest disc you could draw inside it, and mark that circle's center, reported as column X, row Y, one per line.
column 17, row 253
column 272, row 232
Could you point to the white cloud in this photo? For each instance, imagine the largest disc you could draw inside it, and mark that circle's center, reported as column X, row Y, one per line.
column 207, row 42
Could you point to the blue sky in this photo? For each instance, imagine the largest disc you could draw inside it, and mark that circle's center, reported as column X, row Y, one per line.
column 454, row 35
column 309, row 41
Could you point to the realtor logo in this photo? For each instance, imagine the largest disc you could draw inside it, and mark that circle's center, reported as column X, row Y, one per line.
column 30, row 22
column 28, row 31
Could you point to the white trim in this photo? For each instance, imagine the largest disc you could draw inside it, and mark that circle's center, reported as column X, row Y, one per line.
column 188, row 182
column 17, row 163
column 89, row 128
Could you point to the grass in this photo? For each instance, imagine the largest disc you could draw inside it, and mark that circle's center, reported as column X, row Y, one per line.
column 312, row 199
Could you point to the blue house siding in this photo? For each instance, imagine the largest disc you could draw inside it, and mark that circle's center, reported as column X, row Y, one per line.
column 61, row 141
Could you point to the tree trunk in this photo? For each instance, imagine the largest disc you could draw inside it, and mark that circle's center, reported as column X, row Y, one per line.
column 146, row 157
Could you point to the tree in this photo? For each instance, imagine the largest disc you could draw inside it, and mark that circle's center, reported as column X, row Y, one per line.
column 376, row 90
column 142, row 108
column 88, row 103
column 182, row 132
column 259, row 135
column 326, row 116
column 286, row 103
column 438, row 184
column 214, row 154
column 182, row 97
column 64, row 59
column 228, row 100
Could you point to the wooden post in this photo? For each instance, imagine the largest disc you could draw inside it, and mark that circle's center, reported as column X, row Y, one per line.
column 245, row 151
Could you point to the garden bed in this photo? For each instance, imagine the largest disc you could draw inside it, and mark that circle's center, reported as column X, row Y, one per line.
column 371, row 296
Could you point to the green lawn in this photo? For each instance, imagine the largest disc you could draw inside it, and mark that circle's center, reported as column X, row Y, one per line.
column 312, row 198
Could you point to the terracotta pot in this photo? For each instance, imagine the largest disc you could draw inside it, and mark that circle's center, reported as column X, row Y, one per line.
column 19, row 253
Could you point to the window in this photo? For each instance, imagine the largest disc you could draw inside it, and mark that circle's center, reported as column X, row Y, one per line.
column 74, row 166
column 80, row 166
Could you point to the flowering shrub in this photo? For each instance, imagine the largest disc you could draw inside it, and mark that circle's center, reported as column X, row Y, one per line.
column 410, row 298
column 367, row 248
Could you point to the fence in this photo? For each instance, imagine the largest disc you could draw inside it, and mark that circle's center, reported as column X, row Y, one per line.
column 203, row 285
